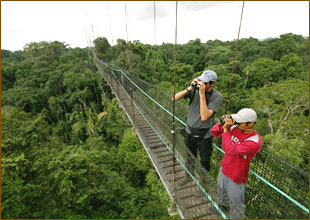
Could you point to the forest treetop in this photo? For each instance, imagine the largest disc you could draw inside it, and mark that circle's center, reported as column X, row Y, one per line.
column 51, row 96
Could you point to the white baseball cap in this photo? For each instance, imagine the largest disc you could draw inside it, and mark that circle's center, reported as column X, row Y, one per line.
column 245, row 115
column 208, row 76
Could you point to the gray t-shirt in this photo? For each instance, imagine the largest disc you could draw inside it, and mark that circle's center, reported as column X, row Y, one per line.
column 214, row 101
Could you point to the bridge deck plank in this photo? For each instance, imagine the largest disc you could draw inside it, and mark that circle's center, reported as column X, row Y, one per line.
column 191, row 206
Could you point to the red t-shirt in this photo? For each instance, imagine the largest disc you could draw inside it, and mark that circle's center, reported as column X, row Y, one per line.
column 239, row 148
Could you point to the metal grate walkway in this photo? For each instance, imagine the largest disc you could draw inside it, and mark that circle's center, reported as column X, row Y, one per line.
column 276, row 188
column 190, row 200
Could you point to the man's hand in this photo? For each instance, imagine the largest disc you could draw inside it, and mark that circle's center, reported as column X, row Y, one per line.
column 222, row 118
column 181, row 94
column 195, row 81
column 190, row 88
column 202, row 87
column 228, row 123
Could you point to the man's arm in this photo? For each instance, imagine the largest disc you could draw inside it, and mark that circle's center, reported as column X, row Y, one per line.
column 205, row 113
column 216, row 130
column 246, row 147
column 181, row 94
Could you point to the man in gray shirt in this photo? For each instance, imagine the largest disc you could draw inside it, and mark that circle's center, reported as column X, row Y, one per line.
column 205, row 101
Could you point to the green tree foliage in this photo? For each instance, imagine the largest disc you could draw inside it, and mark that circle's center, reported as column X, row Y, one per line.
column 102, row 47
column 129, row 62
column 219, row 55
column 132, row 160
column 293, row 67
column 65, row 150
column 263, row 71
column 281, row 101
column 270, row 76
column 68, row 150
column 261, row 66
column 286, row 44
column 184, row 73
column 283, row 111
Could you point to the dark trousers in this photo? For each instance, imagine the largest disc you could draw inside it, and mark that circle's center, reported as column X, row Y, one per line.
column 204, row 146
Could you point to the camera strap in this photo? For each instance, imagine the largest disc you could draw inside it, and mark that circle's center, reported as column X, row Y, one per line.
column 193, row 95
column 245, row 129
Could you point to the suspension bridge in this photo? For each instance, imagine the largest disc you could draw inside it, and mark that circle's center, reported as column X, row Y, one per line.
column 276, row 189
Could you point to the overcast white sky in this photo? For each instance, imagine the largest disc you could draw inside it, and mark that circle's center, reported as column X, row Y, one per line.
column 70, row 22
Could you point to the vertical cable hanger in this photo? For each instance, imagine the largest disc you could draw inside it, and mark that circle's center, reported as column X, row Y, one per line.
column 234, row 63
column 155, row 55
column 88, row 45
column 91, row 38
column 92, row 31
column 110, row 23
column 173, row 205
column 126, row 17
column 174, row 84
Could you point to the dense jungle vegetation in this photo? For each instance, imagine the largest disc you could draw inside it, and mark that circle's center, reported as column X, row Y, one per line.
column 68, row 150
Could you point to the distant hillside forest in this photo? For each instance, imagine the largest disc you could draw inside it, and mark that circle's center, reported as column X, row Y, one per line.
column 69, row 152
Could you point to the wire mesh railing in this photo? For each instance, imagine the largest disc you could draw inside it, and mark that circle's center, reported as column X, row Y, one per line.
column 276, row 188
column 190, row 208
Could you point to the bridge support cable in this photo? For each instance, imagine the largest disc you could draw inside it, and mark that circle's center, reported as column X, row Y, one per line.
column 192, row 158
column 262, row 167
column 110, row 24
column 126, row 18
column 173, row 107
column 189, row 208
column 268, row 154
column 290, row 189
column 234, row 62
column 155, row 53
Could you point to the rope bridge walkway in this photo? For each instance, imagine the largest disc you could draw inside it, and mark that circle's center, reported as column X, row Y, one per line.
column 276, row 189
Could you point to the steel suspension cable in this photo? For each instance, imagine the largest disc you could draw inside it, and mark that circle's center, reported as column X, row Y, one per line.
column 174, row 155
column 184, row 124
column 234, row 62
column 126, row 15
column 173, row 103
column 155, row 55
column 110, row 24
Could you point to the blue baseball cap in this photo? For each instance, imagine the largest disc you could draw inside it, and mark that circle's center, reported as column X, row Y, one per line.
column 208, row 76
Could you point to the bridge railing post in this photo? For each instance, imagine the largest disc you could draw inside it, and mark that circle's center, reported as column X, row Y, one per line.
column 117, row 87
column 110, row 78
column 131, row 101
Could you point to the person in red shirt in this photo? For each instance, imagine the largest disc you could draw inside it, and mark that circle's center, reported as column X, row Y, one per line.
column 240, row 143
